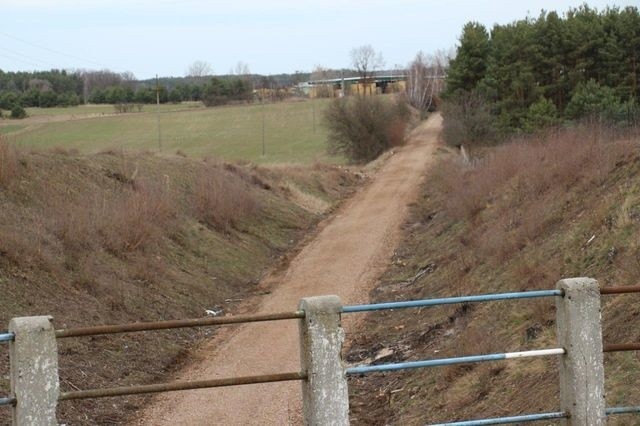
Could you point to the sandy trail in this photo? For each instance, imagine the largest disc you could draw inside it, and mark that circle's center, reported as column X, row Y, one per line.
column 345, row 259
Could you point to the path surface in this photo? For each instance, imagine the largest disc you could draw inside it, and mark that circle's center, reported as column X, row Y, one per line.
column 345, row 258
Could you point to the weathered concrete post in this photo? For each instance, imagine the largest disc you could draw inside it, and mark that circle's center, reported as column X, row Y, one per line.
column 34, row 371
column 581, row 368
column 325, row 394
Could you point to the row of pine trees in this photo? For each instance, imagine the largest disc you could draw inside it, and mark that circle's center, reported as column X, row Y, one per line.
column 546, row 70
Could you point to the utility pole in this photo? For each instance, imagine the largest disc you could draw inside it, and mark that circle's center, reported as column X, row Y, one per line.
column 313, row 106
column 158, row 114
column 264, row 148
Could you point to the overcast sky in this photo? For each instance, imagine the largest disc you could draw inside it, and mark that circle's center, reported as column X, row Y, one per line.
column 272, row 36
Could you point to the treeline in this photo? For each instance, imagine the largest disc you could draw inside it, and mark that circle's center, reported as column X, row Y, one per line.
column 544, row 71
column 63, row 88
column 40, row 88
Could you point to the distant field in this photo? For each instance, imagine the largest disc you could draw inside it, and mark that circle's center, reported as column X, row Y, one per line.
column 81, row 110
column 9, row 128
column 232, row 133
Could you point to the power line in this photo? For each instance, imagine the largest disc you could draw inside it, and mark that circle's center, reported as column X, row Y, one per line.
column 27, row 57
column 33, row 64
column 52, row 50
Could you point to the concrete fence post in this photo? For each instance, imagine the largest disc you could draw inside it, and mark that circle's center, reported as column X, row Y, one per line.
column 34, row 371
column 581, row 368
column 325, row 394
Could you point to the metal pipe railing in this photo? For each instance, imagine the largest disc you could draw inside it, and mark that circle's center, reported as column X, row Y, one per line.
column 621, row 347
column 7, row 401
column 620, row 289
column 178, row 386
column 364, row 369
column 621, row 410
column 508, row 420
column 171, row 324
column 451, row 301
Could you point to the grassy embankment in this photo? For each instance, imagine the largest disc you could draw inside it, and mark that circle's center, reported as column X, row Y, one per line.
column 231, row 132
column 106, row 238
column 524, row 216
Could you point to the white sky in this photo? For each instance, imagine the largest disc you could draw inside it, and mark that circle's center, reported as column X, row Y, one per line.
column 272, row 36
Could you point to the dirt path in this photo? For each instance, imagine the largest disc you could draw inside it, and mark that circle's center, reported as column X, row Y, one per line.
column 345, row 259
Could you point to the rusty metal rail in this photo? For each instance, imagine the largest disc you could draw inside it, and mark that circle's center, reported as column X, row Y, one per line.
column 620, row 289
column 178, row 386
column 165, row 325
column 621, row 347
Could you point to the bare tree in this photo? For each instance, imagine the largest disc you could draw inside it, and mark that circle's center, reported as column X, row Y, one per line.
column 241, row 69
column 322, row 73
column 425, row 79
column 199, row 69
column 128, row 79
column 99, row 79
column 366, row 60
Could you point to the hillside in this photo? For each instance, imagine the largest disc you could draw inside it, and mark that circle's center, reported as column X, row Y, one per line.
column 519, row 217
column 111, row 238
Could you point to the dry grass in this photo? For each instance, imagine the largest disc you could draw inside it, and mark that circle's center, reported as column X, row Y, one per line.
column 221, row 199
column 519, row 217
column 116, row 238
column 521, row 186
column 529, row 169
column 8, row 163
column 138, row 217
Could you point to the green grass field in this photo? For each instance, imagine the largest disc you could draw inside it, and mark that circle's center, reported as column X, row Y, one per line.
column 232, row 133
column 10, row 128
column 90, row 109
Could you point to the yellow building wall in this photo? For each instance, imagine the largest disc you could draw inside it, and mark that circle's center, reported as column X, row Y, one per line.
column 363, row 89
column 325, row 91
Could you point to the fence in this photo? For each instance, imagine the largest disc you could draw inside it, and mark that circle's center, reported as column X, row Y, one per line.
column 34, row 361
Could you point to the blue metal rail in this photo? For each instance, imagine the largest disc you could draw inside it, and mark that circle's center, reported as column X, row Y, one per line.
column 508, row 420
column 621, row 410
column 451, row 300
column 532, row 417
column 7, row 401
column 364, row 369
column 7, row 337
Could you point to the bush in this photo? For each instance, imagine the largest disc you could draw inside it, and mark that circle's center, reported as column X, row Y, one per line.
column 467, row 120
column 541, row 114
column 221, row 200
column 18, row 112
column 592, row 101
column 363, row 127
column 124, row 107
column 138, row 217
column 9, row 99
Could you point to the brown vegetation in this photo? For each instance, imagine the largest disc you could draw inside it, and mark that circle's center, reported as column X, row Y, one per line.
column 222, row 199
column 116, row 238
column 519, row 218
column 363, row 127
column 8, row 163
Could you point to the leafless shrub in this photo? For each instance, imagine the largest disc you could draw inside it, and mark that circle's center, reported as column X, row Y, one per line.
column 137, row 217
column 222, row 199
column 467, row 120
column 363, row 127
column 125, row 107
